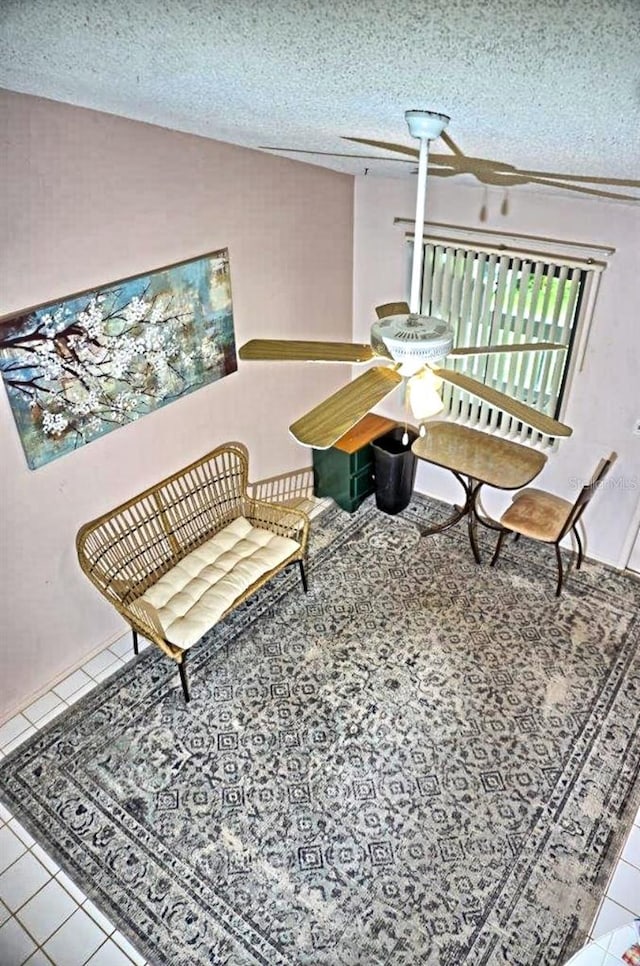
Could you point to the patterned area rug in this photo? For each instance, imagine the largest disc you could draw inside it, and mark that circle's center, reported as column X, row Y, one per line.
column 422, row 761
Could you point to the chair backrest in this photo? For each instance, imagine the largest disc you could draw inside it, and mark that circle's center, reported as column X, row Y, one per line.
column 587, row 491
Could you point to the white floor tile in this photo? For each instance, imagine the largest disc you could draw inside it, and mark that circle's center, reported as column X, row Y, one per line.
column 74, row 891
column 15, row 945
column 21, row 881
column 123, row 647
column 624, row 887
column 44, row 705
column 593, row 955
column 610, row 916
column 21, row 832
column 631, row 850
column 46, row 911
column 46, row 859
column 5, row 814
column 105, row 924
column 99, row 663
column 12, row 745
column 46, row 718
column 619, row 940
column 80, row 693
column 10, row 847
column 76, row 941
column 109, row 955
column 70, row 685
column 12, row 728
column 108, row 671
column 38, row 959
column 4, row 913
column 126, row 947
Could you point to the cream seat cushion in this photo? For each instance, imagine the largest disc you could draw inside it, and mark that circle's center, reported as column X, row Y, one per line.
column 537, row 514
column 194, row 594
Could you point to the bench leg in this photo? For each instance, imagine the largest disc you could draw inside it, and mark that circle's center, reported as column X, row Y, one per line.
column 182, row 668
column 303, row 576
column 135, row 641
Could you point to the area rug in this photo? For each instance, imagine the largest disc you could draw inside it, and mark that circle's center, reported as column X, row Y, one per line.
column 422, row 761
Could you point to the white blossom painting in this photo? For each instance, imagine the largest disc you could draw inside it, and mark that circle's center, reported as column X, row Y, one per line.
column 78, row 368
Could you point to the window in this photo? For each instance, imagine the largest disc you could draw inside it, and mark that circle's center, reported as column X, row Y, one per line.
column 498, row 298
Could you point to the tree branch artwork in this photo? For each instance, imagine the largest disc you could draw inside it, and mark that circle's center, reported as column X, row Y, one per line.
column 78, row 368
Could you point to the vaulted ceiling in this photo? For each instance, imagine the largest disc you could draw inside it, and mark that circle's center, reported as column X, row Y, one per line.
column 551, row 84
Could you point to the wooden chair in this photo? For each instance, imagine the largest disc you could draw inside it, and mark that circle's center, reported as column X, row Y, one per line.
column 548, row 518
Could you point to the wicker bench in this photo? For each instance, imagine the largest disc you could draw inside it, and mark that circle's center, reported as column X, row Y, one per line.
column 179, row 557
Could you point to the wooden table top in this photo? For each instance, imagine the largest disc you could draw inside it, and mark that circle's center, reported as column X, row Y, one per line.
column 488, row 459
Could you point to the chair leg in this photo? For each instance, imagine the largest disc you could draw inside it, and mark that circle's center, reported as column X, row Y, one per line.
column 135, row 641
column 182, row 668
column 580, row 554
column 517, row 537
column 303, row 576
column 559, row 559
column 496, row 552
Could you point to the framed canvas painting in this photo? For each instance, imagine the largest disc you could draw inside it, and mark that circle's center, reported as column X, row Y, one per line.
column 79, row 367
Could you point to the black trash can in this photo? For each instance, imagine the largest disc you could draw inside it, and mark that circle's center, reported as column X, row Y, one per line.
column 394, row 469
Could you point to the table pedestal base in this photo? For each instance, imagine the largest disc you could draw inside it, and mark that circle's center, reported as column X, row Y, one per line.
column 471, row 509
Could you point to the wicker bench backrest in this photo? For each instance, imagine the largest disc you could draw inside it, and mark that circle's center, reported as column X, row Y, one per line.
column 126, row 550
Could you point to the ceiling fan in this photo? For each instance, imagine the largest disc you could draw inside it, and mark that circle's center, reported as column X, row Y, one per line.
column 415, row 344
column 485, row 170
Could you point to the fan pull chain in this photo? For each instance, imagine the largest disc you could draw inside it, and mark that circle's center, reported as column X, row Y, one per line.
column 405, row 435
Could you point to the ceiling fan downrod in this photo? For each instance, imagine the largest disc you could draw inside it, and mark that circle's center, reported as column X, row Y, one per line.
column 425, row 126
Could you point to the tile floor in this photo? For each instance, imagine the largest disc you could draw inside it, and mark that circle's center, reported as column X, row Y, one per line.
column 45, row 918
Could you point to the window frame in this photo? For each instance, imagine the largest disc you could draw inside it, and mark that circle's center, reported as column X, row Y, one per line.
column 580, row 323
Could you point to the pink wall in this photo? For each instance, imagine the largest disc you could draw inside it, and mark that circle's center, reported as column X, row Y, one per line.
column 604, row 399
column 89, row 198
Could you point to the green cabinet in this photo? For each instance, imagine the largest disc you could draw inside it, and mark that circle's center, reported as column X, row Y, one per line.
column 345, row 471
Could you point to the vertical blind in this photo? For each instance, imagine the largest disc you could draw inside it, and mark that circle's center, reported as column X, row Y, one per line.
column 491, row 298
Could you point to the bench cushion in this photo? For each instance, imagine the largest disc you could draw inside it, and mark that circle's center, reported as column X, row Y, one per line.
column 192, row 596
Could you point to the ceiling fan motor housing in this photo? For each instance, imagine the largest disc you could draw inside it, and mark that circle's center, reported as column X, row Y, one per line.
column 413, row 338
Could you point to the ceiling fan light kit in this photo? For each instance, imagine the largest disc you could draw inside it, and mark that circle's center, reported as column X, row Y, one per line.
column 424, row 395
column 413, row 342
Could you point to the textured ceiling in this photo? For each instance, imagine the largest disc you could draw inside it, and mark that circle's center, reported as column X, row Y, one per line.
column 551, row 84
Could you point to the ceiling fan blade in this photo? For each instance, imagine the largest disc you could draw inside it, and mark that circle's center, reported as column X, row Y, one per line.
column 331, row 419
column 585, row 191
column 392, row 308
column 334, row 154
column 385, row 146
column 532, row 417
column 294, row 350
column 482, row 350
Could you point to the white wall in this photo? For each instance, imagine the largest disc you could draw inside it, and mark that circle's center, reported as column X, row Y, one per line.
column 88, row 198
column 604, row 402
